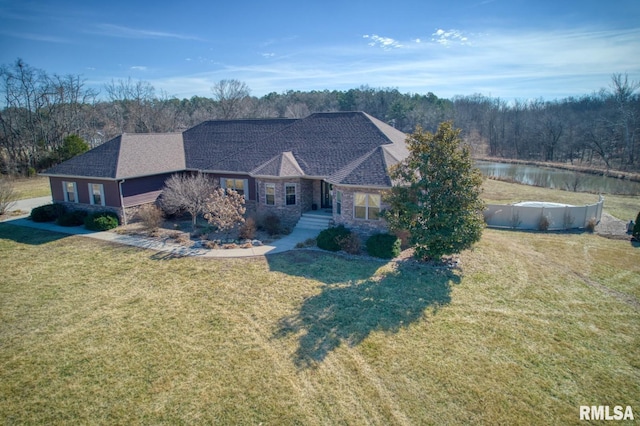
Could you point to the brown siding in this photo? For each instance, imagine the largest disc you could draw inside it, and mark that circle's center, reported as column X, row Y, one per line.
column 143, row 190
column 251, row 182
column 111, row 191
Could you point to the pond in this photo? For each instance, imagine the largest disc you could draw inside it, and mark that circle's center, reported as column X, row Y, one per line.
column 558, row 178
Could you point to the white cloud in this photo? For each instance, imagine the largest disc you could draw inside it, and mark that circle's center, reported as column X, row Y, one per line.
column 385, row 43
column 268, row 55
column 449, row 37
column 138, row 68
column 506, row 64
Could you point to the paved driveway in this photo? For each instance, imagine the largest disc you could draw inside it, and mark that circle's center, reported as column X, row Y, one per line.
column 27, row 205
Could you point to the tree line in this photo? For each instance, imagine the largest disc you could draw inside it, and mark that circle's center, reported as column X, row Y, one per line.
column 39, row 110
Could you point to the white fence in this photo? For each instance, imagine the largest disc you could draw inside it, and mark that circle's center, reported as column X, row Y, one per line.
column 546, row 215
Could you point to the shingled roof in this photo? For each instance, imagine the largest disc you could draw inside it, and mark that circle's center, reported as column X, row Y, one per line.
column 322, row 143
column 127, row 156
column 207, row 143
column 350, row 148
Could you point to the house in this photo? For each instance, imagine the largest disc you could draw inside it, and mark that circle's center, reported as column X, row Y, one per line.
column 337, row 163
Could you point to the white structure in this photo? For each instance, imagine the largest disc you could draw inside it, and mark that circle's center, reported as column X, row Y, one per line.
column 537, row 215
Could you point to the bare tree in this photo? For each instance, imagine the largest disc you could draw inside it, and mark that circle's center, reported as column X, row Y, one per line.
column 297, row 110
column 231, row 95
column 225, row 209
column 187, row 193
column 8, row 195
column 623, row 93
column 38, row 111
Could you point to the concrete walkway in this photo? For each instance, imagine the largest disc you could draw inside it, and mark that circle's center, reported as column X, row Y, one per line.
column 286, row 243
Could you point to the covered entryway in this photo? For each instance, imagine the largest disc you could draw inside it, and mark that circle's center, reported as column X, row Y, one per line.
column 326, row 195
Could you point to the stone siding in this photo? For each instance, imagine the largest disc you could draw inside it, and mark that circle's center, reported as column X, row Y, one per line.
column 288, row 214
column 362, row 227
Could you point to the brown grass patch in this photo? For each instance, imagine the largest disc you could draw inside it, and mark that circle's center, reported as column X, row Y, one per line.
column 99, row 333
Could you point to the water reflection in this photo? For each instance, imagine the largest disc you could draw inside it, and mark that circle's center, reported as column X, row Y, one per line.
column 558, row 178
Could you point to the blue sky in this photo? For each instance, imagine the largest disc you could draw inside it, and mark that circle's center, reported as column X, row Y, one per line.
column 511, row 49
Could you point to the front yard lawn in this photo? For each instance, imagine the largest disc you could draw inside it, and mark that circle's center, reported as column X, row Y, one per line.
column 531, row 327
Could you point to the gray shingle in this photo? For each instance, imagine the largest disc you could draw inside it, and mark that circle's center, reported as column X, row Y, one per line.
column 346, row 147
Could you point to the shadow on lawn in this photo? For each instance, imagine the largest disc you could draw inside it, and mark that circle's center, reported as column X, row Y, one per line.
column 348, row 310
column 31, row 236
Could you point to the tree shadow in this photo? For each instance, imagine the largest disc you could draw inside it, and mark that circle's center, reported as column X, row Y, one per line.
column 31, row 236
column 347, row 311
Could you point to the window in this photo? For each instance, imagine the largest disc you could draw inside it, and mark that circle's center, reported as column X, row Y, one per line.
column 339, row 202
column 96, row 194
column 366, row 206
column 70, row 192
column 290, row 193
column 239, row 185
column 270, row 194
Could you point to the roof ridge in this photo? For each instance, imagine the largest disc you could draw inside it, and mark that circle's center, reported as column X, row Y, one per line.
column 115, row 169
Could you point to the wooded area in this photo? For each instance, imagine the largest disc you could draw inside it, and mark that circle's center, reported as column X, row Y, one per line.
column 39, row 110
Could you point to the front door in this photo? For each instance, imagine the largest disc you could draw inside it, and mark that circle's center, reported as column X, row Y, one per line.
column 326, row 195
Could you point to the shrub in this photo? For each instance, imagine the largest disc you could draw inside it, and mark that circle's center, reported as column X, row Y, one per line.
column 350, row 243
column 151, row 216
column 635, row 233
column 591, row 224
column 182, row 238
column 271, row 224
column 101, row 221
column 544, row 223
column 47, row 213
column 329, row 239
column 247, row 230
column 72, row 218
column 386, row 246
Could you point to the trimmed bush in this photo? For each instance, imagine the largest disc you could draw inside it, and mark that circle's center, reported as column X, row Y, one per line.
column 635, row 232
column 544, row 223
column 385, row 246
column 73, row 218
column 271, row 224
column 101, row 221
column 151, row 216
column 247, row 230
column 350, row 244
column 47, row 213
column 329, row 239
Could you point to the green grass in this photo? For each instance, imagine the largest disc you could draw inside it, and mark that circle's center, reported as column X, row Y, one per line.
column 528, row 329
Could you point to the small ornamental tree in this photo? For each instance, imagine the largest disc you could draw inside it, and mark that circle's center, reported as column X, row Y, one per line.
column 436, row 194
column 8, row 195
column 189, row 193
column 635, row 232
column 225, row 209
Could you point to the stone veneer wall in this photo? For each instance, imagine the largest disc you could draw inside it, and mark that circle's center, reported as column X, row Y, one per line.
column 361, row 226
column 289, row 215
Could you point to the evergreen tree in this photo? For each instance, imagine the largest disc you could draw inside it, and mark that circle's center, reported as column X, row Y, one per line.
column 71, row 146
column 436, row 194
column 636, row 228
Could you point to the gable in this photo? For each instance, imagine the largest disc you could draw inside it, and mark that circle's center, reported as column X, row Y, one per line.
column 322, row 143
column 346, row 147
column 126, row 156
